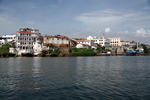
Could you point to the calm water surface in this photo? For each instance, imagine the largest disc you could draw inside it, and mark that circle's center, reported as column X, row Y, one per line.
column 75, row 78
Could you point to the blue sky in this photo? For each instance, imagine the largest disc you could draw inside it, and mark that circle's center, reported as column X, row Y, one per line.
column 129, row 19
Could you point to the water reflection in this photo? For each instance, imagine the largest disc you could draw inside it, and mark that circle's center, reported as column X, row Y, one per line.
column 36, row 68
column 74, row 78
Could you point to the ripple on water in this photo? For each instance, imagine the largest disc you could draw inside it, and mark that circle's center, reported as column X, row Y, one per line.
column 75, row 78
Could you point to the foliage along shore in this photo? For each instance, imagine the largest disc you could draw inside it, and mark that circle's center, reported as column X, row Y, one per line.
column 64, row 52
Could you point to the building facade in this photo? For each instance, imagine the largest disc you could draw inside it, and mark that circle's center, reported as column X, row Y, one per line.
column 38, row 46
column 2, row 41
column 100, row 41
column 86, row 42
column 58, row 41
column 82, row 46
column 9, row 38
column 125, row 43
column 25, row 39
column 115, row 41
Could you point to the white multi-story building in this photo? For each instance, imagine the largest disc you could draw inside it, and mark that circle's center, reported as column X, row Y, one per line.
column 2, row 41
column 25, row 39
column 101, row 41
column 9, row 38
column 86, row 42
column 125, row 43
column 115, row 41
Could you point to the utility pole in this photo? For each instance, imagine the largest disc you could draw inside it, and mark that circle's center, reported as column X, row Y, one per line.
column 137, row 45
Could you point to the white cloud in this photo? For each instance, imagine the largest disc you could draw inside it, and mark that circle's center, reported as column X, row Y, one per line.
column 115, row 19
column 146, row 8
column 119, row 21
column 143, row 32
column 98, row 17
column 107, row 29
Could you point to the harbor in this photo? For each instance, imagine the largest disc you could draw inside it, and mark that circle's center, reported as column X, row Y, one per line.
column 30, row 42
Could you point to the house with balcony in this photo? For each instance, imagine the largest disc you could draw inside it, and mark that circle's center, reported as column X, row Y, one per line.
column 25, row 39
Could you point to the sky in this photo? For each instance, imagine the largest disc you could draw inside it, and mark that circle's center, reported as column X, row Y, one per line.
column 128, row 19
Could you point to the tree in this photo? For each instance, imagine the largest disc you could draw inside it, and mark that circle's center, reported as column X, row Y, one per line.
column 145, row 48
column 4, row 50
column 82, row 52
column 55, row 52
column 134, row 47
column 44, row 52
column 100, row 49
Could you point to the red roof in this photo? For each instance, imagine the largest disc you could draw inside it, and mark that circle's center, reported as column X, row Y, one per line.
column 83, row 40
column 56, row 36
column 24, row 32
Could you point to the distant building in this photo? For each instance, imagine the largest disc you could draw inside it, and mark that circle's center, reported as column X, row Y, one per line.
column 103, row 41
column 86, row 42
column 25, row 39
column 82, row 46
column 58, row 41
column 133, row 43
column 9, row 38
column 91, row 38
column 115, row 41
column 125, row 43
column 100, row 41
column 2, row 41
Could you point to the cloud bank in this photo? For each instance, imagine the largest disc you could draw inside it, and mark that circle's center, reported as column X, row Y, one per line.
column 129, row 19
column 122, row 23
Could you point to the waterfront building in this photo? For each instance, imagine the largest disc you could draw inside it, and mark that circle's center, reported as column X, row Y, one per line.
column 86, row 42
column 133, row 43
column 9, row 38
column 103, row 41
column 100, row 41
column 38, row 45
column 5, row 39
column 125, row 43
column 2, row 41
column 115, row 41
column 58, row 41
column 82, row 46
column 24, row 40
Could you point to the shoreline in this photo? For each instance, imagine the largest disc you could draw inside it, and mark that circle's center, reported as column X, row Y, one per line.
column 75, row 56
